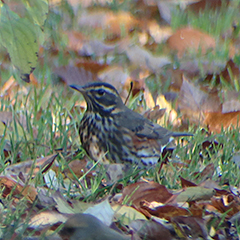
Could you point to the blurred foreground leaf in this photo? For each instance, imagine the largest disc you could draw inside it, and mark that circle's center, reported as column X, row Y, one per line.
column 20, row 36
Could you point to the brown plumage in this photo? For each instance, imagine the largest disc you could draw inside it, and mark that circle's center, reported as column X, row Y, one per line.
column 111, row 131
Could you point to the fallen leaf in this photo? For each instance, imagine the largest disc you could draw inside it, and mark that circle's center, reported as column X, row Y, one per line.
column 227, row 203
column 185, row 183
column 216, row 121
column 145, row 191
column 127, row 214
column 195, row 193
column 186, row 39
column 103, row 211
column 167, row 211
column 31, row 167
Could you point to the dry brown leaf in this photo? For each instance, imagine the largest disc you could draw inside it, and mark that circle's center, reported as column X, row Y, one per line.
column 227, row 203
column 146, row 191
column 185, row 183
column 31, row 167
column 217, row 120
column 190, row 39
column 167, row 211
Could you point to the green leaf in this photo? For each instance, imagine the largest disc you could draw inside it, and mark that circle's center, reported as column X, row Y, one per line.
column 37, row 10
column 18, row 36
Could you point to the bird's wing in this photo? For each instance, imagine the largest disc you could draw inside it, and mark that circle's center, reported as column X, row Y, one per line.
column 140, row 125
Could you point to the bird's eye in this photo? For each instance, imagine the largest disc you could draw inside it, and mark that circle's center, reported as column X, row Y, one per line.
column 101, row 92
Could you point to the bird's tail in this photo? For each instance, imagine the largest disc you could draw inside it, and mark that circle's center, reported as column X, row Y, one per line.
column 181, row 134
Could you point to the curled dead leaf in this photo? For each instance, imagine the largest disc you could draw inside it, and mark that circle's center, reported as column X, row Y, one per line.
column 32, row 166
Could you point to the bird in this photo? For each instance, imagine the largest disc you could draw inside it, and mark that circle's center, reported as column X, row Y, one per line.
column 111, row 132
column 83, row 226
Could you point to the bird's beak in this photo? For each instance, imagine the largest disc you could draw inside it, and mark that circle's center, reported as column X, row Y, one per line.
column 78, row 88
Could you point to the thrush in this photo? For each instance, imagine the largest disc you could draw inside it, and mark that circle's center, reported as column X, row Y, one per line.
column 110, row 131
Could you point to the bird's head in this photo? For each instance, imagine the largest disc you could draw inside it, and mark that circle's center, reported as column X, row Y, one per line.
column 101, row 97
